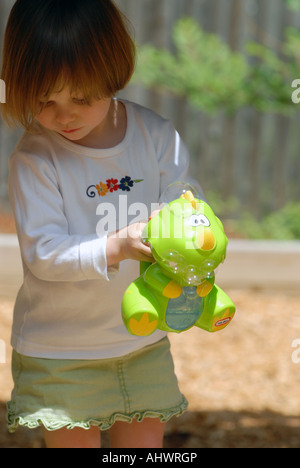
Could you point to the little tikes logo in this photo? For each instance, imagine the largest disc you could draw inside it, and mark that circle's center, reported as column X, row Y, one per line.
column 2, row 92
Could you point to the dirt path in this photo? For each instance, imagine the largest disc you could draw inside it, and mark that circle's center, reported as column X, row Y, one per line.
column 242, row 384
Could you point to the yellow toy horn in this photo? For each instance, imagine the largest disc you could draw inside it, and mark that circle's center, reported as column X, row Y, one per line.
column 190, row 197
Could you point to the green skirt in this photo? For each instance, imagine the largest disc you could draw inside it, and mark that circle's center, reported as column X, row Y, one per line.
column 59, row 393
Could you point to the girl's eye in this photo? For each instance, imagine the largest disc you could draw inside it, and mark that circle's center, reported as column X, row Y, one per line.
column 45, row 104
column 80, row 102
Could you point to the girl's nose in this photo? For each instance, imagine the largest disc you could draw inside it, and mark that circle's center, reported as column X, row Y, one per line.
column 64, row 116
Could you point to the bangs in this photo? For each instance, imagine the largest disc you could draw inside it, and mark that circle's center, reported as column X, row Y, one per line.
column 78, row 80
column 83, row 45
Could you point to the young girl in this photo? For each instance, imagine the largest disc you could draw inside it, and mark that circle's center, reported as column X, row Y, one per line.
column 76, row 175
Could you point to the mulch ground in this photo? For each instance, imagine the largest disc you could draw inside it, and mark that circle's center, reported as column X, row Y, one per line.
column 241, row 383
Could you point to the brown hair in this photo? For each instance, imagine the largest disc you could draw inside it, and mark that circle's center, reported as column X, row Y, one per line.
column 50, row 43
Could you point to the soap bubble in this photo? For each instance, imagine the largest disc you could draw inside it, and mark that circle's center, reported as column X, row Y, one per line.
column 176, row 190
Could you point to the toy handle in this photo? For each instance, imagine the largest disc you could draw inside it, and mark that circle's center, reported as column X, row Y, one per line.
column 144, row 266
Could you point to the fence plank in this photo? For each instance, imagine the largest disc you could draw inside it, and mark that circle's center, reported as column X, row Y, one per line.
column 251, row 156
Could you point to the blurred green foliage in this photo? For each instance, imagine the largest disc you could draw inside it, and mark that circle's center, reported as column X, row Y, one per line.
column 293, row 4
column 204, row 70
column 213, row 78
column 280, row 225
column 283, row 224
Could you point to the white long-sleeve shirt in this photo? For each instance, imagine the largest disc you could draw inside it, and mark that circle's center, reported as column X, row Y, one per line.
column 66, row 198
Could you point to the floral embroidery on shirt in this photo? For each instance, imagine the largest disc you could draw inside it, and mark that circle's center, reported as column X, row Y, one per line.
column 102, row 189
column 112, row 185
column 126, row 183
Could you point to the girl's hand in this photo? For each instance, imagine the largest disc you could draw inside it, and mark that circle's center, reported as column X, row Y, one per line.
column 127, row 244
column 154, row 213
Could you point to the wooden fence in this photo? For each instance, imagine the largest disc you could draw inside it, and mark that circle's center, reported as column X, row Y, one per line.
column 250, row 156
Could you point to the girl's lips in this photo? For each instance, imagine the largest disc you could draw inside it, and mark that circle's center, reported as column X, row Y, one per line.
column 71, row 131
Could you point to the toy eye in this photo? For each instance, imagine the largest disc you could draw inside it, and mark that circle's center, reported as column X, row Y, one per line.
column 198, row 220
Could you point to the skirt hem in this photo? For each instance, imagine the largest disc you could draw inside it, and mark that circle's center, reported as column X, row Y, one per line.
column 36, row 420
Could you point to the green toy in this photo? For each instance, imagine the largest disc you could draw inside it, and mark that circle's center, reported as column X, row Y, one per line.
column 178, row 291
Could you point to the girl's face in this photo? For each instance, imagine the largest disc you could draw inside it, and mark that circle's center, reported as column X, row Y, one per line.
column 73, row 118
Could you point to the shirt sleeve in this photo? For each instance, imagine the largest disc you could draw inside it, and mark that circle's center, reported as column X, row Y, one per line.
column 47, row 248
column 174, row 160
